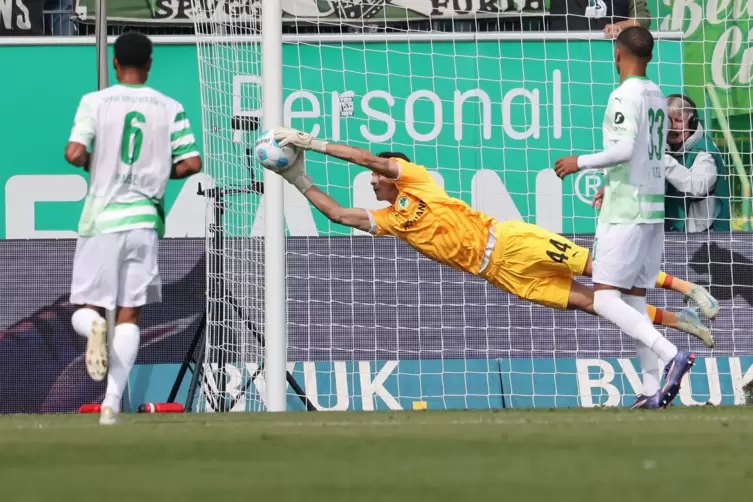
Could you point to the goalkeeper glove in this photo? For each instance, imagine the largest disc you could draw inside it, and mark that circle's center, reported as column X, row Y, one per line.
column 303, row 140
column 295, row 174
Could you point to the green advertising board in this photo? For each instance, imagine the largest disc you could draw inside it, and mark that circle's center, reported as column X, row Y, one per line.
column 490, row 116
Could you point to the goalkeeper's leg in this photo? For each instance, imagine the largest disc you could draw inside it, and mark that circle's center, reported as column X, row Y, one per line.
column 582, row 298
column 707, row 304
column 539, row 265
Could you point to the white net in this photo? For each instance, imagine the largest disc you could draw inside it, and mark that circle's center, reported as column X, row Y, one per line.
column 371, row 324
column 231, row 106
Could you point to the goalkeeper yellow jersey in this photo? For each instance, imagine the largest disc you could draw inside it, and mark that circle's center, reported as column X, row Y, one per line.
column 436, row 225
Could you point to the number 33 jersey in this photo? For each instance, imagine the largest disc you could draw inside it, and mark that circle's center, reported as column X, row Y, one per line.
column 634, row 191
column 135, row 135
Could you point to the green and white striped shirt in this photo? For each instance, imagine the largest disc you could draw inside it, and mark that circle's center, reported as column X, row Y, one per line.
column 136, row 135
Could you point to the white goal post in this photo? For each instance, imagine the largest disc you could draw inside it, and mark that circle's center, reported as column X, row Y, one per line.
column 275, row 355
column 312, row 315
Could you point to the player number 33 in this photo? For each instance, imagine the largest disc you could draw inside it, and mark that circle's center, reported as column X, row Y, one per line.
column 656, row 133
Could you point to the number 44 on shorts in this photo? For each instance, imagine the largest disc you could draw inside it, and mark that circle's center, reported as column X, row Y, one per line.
column 558, row 254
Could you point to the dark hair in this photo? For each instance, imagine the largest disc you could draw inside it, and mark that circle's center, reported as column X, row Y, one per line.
column 394, row 155
column 637, row 41
column 133, row 50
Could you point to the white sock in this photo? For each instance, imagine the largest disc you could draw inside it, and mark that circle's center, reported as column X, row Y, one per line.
column 609, row 304
column 649, row 368
column 665, row 349
column 122, row 352
column 647, row 358
column 82, row 320
column 637, row 302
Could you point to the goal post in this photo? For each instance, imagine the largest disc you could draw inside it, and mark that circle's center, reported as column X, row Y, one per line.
column 366, row 323
column 240, row 68
column 274, row 226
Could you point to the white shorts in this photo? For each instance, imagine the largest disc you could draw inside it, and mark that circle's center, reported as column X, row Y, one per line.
column 117, row 269
column 628, row 256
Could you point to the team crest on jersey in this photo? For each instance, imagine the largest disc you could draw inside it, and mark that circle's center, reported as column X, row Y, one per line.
column 619, row 118
column 402, row 202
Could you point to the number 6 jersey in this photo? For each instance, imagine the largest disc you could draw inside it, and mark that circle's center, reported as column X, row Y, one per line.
column 135, row 135
column 634, row 191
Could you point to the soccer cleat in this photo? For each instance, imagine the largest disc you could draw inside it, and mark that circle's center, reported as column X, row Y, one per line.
column 647, row 402
column 108, row 416
column 689, row 322
column 707, row 303
column 673, row 373
column 96, row 351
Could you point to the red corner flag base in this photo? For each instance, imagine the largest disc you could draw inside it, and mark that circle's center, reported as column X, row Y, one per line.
column 161, row 408
column 144, row 408
column 90, row 408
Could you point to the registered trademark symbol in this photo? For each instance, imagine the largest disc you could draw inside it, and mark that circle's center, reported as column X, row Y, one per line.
column 587, row 183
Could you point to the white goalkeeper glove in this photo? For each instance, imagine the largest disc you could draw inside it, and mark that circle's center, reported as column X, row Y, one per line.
column 303, row 140
column 295, row 174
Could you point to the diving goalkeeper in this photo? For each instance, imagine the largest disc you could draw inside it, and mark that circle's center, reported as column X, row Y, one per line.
column 519, row 258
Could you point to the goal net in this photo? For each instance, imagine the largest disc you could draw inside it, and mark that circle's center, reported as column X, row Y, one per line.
column 370, row 323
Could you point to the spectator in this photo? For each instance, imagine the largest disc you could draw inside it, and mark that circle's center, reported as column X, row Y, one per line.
column 698, row 186
column 637, row 16
column 609, row 16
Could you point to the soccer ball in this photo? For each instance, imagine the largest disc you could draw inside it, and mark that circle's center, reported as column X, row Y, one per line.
column 272, row 155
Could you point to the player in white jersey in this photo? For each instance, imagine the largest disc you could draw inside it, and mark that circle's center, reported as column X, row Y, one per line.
column 139, row 139
column 630, row 235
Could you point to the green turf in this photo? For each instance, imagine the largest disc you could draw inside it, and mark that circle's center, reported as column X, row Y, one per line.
column 703, row 454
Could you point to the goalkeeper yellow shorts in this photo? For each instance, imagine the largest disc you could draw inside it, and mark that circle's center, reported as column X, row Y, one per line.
column 534, row 264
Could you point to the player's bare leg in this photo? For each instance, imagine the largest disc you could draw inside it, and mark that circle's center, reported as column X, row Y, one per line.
column 123, row 349
column 582, row 298
column 707, row 304
column 88, row 321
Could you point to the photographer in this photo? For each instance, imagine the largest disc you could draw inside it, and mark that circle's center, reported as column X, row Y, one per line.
column 697, row 197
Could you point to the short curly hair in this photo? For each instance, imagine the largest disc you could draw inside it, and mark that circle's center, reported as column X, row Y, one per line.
column 133, row 50
column 637, row 41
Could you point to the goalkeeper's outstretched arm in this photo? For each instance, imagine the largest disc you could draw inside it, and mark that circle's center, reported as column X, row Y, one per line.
column 383, row 167
column 329, row 207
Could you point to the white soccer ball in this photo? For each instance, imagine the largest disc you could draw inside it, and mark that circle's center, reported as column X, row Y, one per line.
column 272, row 155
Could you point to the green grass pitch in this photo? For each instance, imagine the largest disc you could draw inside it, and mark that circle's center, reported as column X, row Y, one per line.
column 703, row 454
